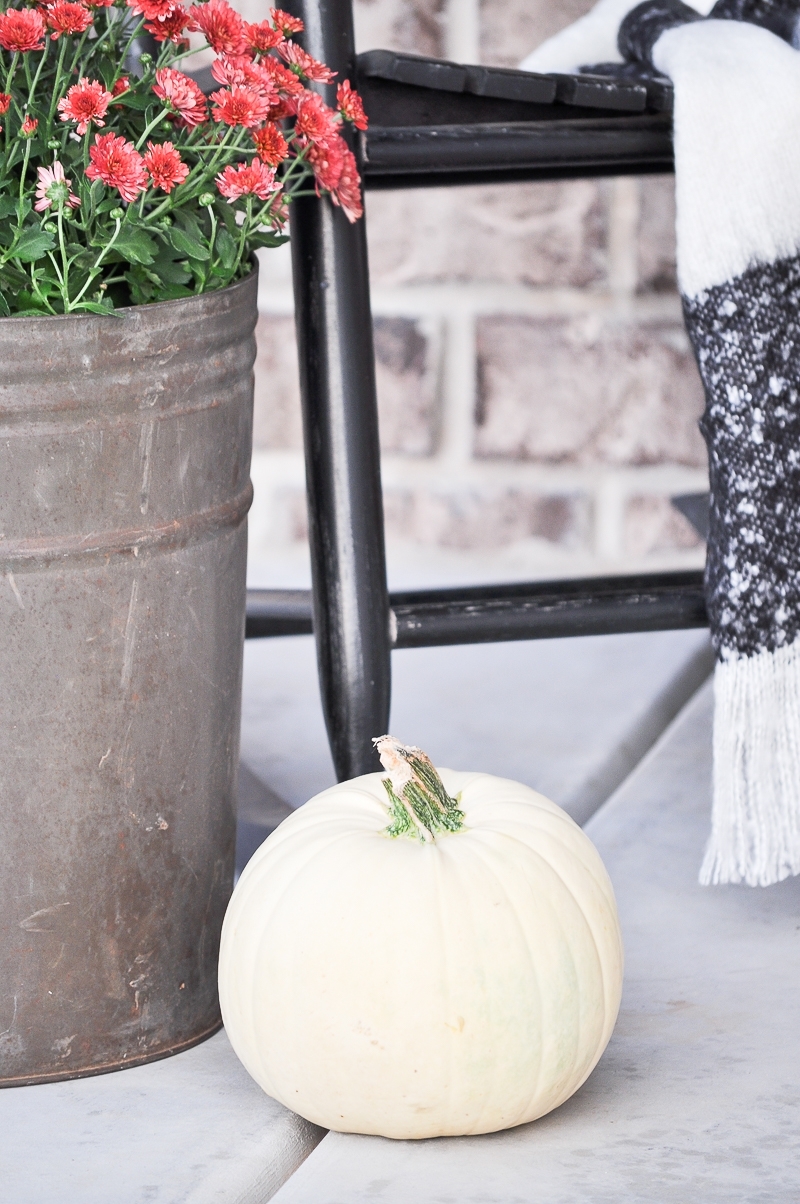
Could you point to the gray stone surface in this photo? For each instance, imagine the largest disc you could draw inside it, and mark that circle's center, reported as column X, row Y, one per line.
column 569, row 717
column 193, row 1129
column 696, row 1098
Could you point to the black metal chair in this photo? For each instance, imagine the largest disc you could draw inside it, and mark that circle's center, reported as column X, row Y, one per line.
column 433, row 123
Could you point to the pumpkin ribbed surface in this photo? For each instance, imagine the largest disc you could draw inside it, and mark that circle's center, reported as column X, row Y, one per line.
column 409, row 989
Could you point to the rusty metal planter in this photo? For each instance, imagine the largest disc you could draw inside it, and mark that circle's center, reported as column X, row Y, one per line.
column 124, row 488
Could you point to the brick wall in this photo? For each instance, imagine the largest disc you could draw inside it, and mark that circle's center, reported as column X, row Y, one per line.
column 538, row 398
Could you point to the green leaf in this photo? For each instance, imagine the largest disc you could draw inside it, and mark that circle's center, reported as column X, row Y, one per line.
column 266, row 238
column 227, row 214
column 4, row 308
column 141, row 289
column 133, row 101
column 97, row 307
column 80, row 258
column 170, row 272
column 12, row 278
column 173, row 292
column 189, row 224
column 7, row 206
column 227, row 248
column 33, row 245
column 187, row 245
column 29, row 300
column 135, row 245
column 22, row 209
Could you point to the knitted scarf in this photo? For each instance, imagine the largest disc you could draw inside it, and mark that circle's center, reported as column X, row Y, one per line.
column 736, row 80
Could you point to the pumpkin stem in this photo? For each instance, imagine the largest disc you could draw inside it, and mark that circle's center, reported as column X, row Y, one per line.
column 419, row 805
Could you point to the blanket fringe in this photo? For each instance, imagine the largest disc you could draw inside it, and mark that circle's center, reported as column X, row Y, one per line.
column 755, row 823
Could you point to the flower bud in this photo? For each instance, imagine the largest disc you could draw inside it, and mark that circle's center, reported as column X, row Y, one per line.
column 206, row 198
column 54, row 144
column 117, row 215
column 51, row 227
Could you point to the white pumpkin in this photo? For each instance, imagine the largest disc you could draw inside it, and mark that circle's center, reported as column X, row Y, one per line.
column 383, row 973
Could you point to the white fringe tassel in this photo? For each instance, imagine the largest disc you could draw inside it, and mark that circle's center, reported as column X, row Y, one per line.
column 755, row 821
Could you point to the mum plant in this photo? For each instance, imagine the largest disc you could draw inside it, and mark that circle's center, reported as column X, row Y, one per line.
column 120, row 189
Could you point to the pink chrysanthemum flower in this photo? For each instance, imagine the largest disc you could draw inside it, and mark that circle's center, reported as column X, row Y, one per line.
column 351, row 106
column 303, row 65
column 87, row 103
column 122, row 85
column 170, row 28
column 28, row 127
column 240, row 106
column 5, row 102
column 98, row 3
column 326, row 160
column 271, row 145
column 118, row 164
column 285, row 22
column 152, row 10
column 316, row 123
column 221, row 27
column 284, row 80
column 66, row 17
column 262, row 37
column 247, row 178
column 230, row 69
column 21, row 30
column 181, row 95
column 54, row 189
column 164, row 166
column 347, row 192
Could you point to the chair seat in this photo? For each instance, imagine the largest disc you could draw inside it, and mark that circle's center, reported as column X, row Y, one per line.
column 436, row 122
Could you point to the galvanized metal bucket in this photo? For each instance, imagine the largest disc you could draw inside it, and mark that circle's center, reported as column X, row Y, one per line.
column 124, row 488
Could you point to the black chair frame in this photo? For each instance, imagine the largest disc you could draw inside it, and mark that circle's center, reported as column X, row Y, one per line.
column 432, row 123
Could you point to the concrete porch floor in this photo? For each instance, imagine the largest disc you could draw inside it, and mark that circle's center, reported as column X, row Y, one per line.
column 696, row 1097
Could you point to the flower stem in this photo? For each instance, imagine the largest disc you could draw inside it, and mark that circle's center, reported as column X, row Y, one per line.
column 212, row 239
column 42, row 61
column 125, row 51
column 24, row 170
column 148, row 131
column 245, row 230
column 64, row 259
column 57, row 84
column 95, row 269
column 12, row 68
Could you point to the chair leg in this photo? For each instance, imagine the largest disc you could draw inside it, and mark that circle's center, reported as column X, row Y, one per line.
column 337, row 372
column 345, row 507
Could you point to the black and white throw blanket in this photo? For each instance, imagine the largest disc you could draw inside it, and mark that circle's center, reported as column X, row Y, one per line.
column 736, row 76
